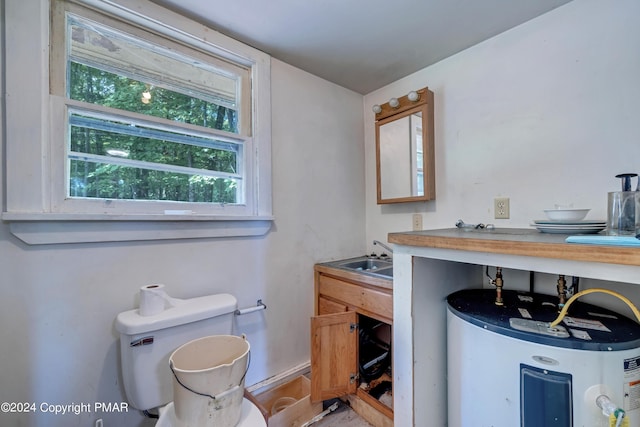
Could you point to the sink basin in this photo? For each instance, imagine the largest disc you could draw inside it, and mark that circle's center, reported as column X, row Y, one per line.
column 372, row 266
column 388, row 272
column 366, row 264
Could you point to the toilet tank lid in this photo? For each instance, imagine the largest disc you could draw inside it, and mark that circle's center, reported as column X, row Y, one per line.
column 182, row 312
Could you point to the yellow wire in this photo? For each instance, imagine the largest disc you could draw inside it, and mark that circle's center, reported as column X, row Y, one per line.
column 563, row 312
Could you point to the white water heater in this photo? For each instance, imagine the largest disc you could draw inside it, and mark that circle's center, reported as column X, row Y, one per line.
column 506, row 369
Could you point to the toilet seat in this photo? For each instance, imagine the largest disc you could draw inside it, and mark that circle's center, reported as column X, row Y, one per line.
column 251, row 416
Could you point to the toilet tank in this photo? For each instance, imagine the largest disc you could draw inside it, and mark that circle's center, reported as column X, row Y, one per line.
column 146, row 343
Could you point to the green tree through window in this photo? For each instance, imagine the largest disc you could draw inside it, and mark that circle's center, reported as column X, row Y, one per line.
column 116, row 158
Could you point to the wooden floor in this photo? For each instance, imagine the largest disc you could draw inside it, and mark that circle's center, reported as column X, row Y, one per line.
column 344, row 416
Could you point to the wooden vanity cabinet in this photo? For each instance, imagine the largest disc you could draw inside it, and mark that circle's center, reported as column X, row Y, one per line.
column 341, row 299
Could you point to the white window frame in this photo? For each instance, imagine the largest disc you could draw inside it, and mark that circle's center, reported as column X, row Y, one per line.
column 35, row 168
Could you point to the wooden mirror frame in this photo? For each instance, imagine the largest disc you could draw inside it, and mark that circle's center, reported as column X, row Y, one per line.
column 406, row 108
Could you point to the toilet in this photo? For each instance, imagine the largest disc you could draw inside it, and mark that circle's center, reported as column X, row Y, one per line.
column 147, row 342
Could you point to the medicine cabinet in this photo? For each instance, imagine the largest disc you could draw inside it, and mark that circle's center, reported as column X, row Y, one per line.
column 405, row 158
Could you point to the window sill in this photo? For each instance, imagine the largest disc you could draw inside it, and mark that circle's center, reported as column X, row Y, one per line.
column 44, row 229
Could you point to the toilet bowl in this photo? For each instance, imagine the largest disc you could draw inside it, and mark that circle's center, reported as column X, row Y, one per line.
column 251, row 416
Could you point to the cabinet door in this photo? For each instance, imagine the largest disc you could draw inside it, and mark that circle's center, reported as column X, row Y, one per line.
column 334, row 343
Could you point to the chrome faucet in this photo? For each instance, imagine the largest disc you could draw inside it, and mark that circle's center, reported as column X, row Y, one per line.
column 377, row 242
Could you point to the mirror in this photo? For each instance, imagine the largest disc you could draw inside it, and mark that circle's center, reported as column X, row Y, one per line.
column 404, row 148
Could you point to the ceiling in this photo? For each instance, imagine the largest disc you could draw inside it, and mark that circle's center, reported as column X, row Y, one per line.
column 361, row 45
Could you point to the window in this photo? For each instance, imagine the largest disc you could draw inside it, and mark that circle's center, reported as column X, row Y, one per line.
column 148, row 116
column 113, row 155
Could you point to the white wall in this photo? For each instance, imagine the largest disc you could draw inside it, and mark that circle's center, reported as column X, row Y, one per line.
column 58, row 303
column 546, row 113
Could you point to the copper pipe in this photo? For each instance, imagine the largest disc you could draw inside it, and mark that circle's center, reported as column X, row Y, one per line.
column 562, row 291
column 499, row 283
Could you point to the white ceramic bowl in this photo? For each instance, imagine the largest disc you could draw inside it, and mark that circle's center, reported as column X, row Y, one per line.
column 566, row 214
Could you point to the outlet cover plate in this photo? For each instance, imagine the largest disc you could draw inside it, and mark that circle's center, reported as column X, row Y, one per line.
column 501, row 207
column 417, row 222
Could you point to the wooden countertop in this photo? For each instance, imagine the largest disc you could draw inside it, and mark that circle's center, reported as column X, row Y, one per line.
column 517, row 241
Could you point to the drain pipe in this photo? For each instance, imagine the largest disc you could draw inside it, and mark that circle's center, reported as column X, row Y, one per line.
column 575, row 285
column 615, row 414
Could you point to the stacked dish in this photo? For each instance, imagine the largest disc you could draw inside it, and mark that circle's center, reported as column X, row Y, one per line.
column 566, row 214
column 570, row 227
column 567, row 220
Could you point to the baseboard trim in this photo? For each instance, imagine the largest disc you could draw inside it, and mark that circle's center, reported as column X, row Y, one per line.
column 281, row 378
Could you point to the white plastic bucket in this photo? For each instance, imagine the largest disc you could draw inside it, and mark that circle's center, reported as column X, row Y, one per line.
column 208, row 383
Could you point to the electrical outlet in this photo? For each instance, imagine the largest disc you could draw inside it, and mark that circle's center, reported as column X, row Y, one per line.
column 501, row 207
column 417, row 222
